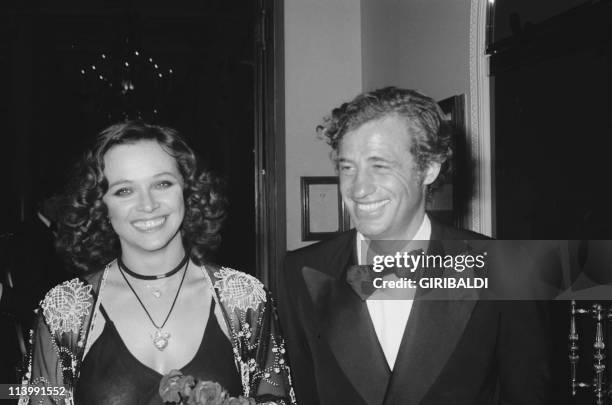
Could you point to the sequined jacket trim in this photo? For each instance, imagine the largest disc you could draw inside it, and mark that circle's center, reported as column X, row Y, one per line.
column 67, row 315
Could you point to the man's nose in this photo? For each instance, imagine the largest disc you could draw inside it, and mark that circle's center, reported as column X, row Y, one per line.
column 363, row 185
column 148, row 203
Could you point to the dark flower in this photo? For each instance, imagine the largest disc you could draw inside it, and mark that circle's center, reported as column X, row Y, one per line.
column 175, row 385
column 360, row 277
column 358, row 273
column 186, row 385
column 239, row 401
column 207, row 393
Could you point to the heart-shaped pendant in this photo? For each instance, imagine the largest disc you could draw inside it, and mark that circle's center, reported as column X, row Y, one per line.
column 160, row 339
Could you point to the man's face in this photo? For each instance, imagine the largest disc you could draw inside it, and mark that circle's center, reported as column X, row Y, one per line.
column 380, row 184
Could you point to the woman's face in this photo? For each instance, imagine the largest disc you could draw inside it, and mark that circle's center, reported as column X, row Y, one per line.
column 145, row 196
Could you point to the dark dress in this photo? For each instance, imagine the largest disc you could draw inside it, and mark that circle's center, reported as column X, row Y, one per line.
column 66, row 315
column 110, row 374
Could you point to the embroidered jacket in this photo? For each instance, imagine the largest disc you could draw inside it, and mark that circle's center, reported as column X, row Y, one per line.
column 67, row 315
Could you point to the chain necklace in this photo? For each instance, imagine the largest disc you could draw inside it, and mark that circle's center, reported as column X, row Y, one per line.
column 160, row 338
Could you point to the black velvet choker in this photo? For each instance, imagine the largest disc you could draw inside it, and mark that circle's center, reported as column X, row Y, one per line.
column 172, row 272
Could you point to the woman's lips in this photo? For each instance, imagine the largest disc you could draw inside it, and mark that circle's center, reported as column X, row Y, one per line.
column 149, row 224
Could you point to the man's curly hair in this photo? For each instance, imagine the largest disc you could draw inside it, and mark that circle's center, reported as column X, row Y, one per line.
column 431, row 132
column 85, row 235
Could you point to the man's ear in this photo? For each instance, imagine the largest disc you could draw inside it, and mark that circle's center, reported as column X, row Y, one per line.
column 431, row 173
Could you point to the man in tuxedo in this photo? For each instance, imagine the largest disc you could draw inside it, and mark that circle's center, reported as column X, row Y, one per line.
column 345, row 347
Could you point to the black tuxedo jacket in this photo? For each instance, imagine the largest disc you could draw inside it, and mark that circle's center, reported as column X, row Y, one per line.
column 452, row 352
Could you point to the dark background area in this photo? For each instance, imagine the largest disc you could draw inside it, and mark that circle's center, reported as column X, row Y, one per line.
column 53, row 102
column 552, row 125
column 551, row 71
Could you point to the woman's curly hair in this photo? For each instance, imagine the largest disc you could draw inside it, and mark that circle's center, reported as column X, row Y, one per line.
column 85, row 235
column 431, row 132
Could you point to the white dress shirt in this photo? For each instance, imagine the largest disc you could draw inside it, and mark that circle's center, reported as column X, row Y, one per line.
column 390, row 316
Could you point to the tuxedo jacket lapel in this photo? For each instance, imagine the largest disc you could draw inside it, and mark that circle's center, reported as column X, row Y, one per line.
column 431, row 335
column 345, row 324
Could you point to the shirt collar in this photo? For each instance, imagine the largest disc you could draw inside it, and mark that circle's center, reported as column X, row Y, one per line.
column 424, row 233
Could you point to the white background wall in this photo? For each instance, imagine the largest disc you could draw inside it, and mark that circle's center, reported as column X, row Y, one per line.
column 322, row 69
column 418, row 44
column 335, row 49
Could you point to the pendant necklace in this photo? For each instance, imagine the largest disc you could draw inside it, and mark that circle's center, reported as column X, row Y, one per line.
column 160, row 338
column 156, row 291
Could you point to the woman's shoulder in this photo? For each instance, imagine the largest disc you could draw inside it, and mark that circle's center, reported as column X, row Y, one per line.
column 66, row 305
column 236, row 289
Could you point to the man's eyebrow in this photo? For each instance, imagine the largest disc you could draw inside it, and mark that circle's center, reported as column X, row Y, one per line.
column 380, row 159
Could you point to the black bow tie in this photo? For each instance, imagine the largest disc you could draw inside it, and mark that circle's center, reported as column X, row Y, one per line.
column 361, row 277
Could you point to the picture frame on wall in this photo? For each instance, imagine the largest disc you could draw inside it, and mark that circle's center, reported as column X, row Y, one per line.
column 449, row 202
column 323, row 212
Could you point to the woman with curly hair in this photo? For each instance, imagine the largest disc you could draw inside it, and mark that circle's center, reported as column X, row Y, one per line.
column 141, row 221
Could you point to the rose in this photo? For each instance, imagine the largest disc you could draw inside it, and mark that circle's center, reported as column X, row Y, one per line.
column 174, row 386
column 186, row 385
column 239, row 401
column 207, row 393
column 169, row 386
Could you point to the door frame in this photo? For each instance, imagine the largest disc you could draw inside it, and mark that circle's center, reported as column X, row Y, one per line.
column 269, row 170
